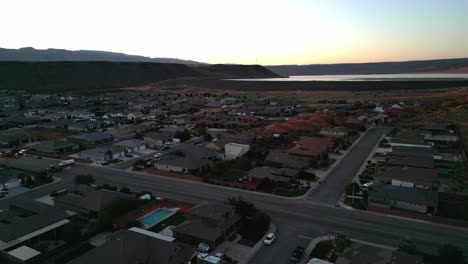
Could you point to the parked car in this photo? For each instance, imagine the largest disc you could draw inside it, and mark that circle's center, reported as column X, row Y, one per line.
column 269, row 239
column 129, row 155
column 297, row 254
column 157, row 155
column 166, row 148
column 65, row 163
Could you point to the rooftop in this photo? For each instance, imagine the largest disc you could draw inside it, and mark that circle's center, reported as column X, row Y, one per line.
column 406, row 194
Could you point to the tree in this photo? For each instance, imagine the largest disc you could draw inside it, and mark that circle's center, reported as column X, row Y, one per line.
column 407, row 245
column 207, row 137
column 340, row 242
column 183, row 135
column 86, row 179
column 349, row 188
column 243, row 207
column 29, row 181
column 451, row 254
column 139, row 165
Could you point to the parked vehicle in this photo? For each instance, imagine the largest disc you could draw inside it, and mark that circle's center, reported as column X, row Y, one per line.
column 65, row 163
column 297, row 254
column 3, row 191
column 269, row 239
column 157, row 155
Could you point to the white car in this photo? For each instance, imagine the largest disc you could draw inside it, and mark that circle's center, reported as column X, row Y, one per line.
column 157, row 155
column 269, row 239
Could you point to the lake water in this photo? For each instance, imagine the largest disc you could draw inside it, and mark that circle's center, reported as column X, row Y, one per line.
column 369, row 77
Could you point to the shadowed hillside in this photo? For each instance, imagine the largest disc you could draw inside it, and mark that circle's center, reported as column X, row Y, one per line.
column 236, row 71
column 73, row 76
column 86, row 76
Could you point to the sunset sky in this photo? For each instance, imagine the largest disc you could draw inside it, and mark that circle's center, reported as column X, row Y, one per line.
column 243, row 31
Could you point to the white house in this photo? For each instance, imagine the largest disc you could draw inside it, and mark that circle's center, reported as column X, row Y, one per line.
column 131, row 145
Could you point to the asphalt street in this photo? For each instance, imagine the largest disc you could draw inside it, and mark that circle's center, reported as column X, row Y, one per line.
column 333, row 186
column 297, row 221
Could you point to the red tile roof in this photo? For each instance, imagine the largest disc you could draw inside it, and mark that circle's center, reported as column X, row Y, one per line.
column 311, row 146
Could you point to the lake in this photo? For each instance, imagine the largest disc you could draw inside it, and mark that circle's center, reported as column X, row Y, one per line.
column 369, row 77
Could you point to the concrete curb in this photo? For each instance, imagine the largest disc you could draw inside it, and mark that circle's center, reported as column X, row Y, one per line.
column 258, row 246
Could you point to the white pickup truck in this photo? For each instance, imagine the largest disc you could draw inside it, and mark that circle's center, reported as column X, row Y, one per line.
column 65, row 163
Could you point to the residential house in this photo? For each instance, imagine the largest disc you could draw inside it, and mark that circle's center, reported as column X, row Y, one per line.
column 102, row 154
column 418, row 162
column 131, row 145
column 187, row 159
column 26, row 219
column 135, row 116
column 87, row 200
column 56, row 147
column 130, row 247
column 410, row 177
column 440, row 134
column 417, row 152
column 282, row 159
column 90, row 139
column 404, row 198
column 157, row 139
column 234, row 150
column 282, row 177
column 334, row 132
column 311, row 147
column 209, row 223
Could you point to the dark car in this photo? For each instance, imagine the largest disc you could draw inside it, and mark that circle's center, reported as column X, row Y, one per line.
column 297, row 254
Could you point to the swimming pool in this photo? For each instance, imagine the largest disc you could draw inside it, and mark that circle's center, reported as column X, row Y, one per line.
column 156, row 217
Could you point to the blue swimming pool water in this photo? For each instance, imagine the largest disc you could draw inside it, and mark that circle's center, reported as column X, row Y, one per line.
column 156, row 217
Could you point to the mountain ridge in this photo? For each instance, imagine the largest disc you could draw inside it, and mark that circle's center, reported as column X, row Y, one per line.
column 415, row 66
column 32, row 54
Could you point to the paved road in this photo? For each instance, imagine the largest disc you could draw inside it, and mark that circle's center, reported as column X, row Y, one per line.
column 297, row 220
column 333, row 186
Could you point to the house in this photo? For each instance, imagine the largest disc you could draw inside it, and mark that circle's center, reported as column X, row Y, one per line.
column 334, row 132
column 187, row 159
column 439, row 133
column 209, row 223
column 311, row 147
column 157, row 139
column 87, row 200
column 404, row 198
column 218, row 144
column 102, row 154
column 25, row 219
column 56, row 147
column 234, row 150
column 130, row 247
column 282, row 177
column 90, row 139
column 418, row 162
column 417, row 152
column 280, row 159
column 410, row 177
column 135, row 116
column 131, row 145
